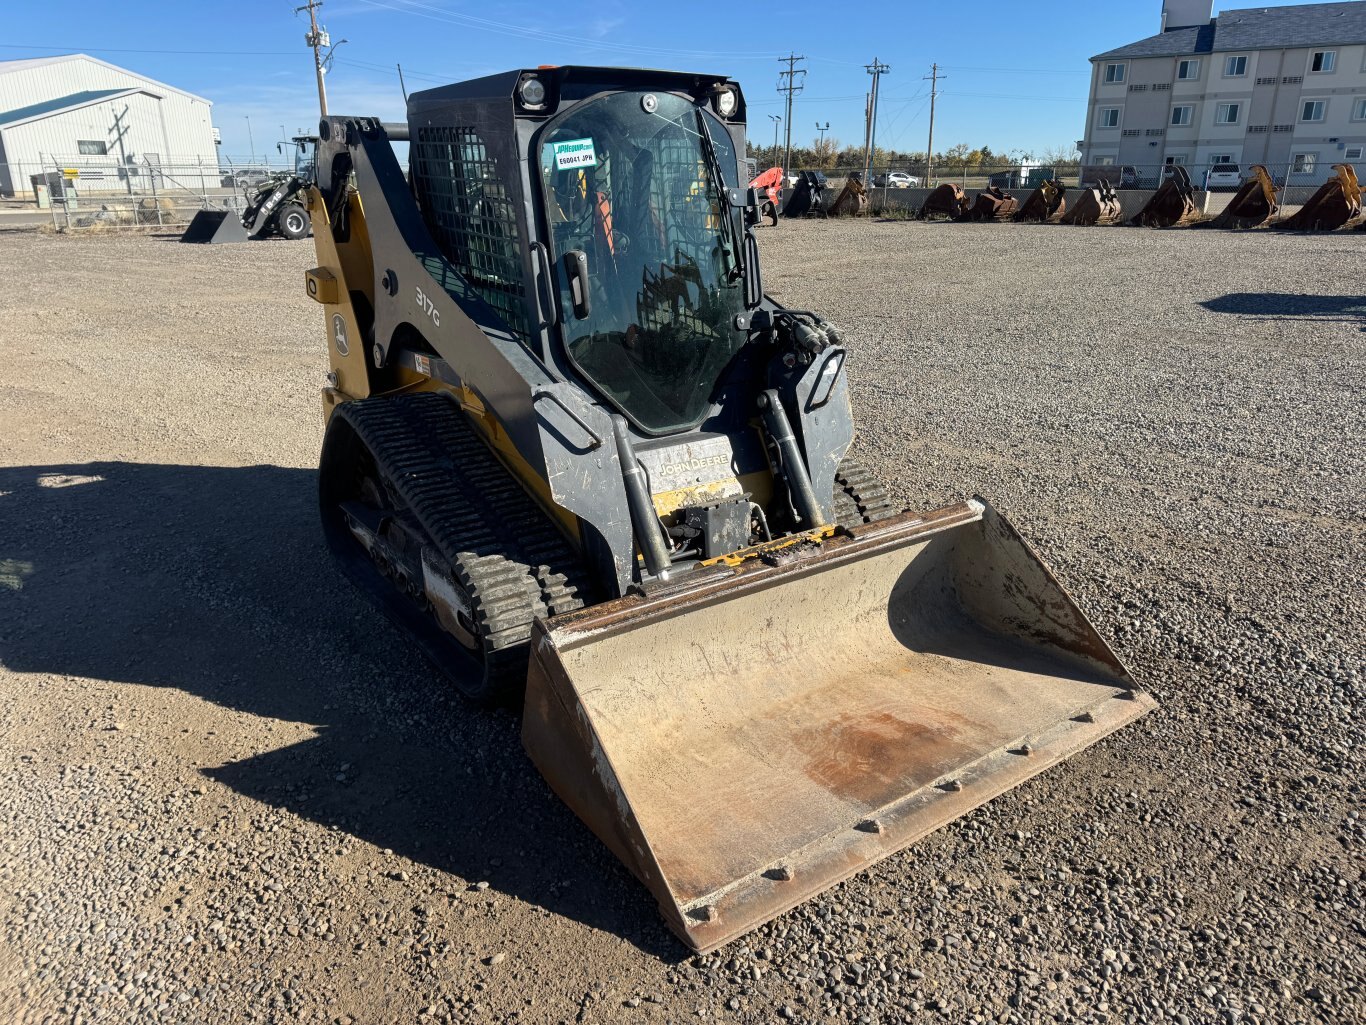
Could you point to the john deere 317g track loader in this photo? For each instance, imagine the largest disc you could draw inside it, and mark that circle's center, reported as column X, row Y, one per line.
column 581, row 455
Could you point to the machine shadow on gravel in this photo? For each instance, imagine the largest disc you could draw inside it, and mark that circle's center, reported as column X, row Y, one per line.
column 1343, row 309
column 216, row 580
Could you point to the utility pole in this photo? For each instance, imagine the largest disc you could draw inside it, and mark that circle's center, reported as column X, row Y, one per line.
column 877, row 70
column 120, row 130
column 777, row 120
column 317, row 39
column 934, row 76
column 867, row 122
column 790, row 88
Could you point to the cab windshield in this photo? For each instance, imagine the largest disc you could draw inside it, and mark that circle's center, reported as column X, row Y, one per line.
column 304, row 156
column 630, row 181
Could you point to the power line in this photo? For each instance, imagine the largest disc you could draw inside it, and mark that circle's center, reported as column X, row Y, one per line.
column 69, row 49
column 1019, row 71
column 421, row 10
column 792, row 87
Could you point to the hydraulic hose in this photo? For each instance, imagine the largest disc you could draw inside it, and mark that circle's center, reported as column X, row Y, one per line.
column 644, row 523
column 794, row 465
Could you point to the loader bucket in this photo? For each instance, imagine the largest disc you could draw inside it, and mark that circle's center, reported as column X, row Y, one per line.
column 947, row 200
column 852, row 200
column 215, row 227
column 1045, row 205
column 1253, row 205
column 992, row 205
column 1172, row 205
column 1099, row 205
column 1337, row 202
column 748, row 738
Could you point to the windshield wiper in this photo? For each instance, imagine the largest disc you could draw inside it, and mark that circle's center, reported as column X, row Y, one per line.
column 723, row 200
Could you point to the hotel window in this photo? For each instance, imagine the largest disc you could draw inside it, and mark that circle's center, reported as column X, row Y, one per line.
column 1182, row 115
column 1313, row 110
column 1109, row 117
column 1303, row 163
column 1323, row 61
column 1188, row 69
column 1235, row 67
column 1114, row 73
column 1359, row 109
column 1227, row 113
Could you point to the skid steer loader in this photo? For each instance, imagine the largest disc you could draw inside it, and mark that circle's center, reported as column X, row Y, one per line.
column 575, row 449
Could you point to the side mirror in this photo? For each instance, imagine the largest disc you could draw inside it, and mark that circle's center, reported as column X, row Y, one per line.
column 576, row 269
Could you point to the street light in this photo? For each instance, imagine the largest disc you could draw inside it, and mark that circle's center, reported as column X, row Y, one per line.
column 775, row 118
column 250, row 141
column 822, row 128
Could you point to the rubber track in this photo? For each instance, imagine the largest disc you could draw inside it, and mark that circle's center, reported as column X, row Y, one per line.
column 503, row 550
column 859, row 496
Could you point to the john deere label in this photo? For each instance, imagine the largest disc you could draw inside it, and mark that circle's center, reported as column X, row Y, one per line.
column 339, row 334
column 574, row 153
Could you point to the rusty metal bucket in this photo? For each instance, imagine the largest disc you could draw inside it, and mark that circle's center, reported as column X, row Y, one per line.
column 992, row 204
column 755, row 735
column 948, row 200
column 1253, row 205
column 1045, row 205
column 1099, row 205
column 852, row 200
column 1336, row 203
column 1172, row 205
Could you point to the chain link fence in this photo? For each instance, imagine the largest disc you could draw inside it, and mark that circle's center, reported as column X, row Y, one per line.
column 81, row 191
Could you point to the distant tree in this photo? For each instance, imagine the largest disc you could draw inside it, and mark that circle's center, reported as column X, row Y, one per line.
column 824, row 151
column 1065, row 156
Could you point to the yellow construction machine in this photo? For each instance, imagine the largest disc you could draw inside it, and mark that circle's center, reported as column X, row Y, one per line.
column 592, row 468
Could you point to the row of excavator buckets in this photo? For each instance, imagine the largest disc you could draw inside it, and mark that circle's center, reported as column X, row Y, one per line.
column 1336, row 205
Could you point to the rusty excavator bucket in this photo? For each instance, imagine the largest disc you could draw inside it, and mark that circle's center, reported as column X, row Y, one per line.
column 1098, row 205
column 1172, row 205
column 747, row 736
column 1253, row 205
column 1045, row 204
column 852, row 200
column 948, row 200
column 992, row 204
column 1335, row 204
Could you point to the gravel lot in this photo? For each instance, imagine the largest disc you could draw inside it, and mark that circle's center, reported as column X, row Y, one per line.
column 229, row 793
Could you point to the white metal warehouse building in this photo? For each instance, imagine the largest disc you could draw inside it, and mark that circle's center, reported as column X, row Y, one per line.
column 114, row 127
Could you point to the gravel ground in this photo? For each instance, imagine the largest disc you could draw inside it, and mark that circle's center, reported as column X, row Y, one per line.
column 229, row 793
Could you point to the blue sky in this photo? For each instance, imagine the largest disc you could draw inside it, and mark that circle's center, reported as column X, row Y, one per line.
column 1016, row 79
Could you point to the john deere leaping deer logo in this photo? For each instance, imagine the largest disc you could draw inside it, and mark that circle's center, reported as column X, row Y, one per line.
column 339, row 334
